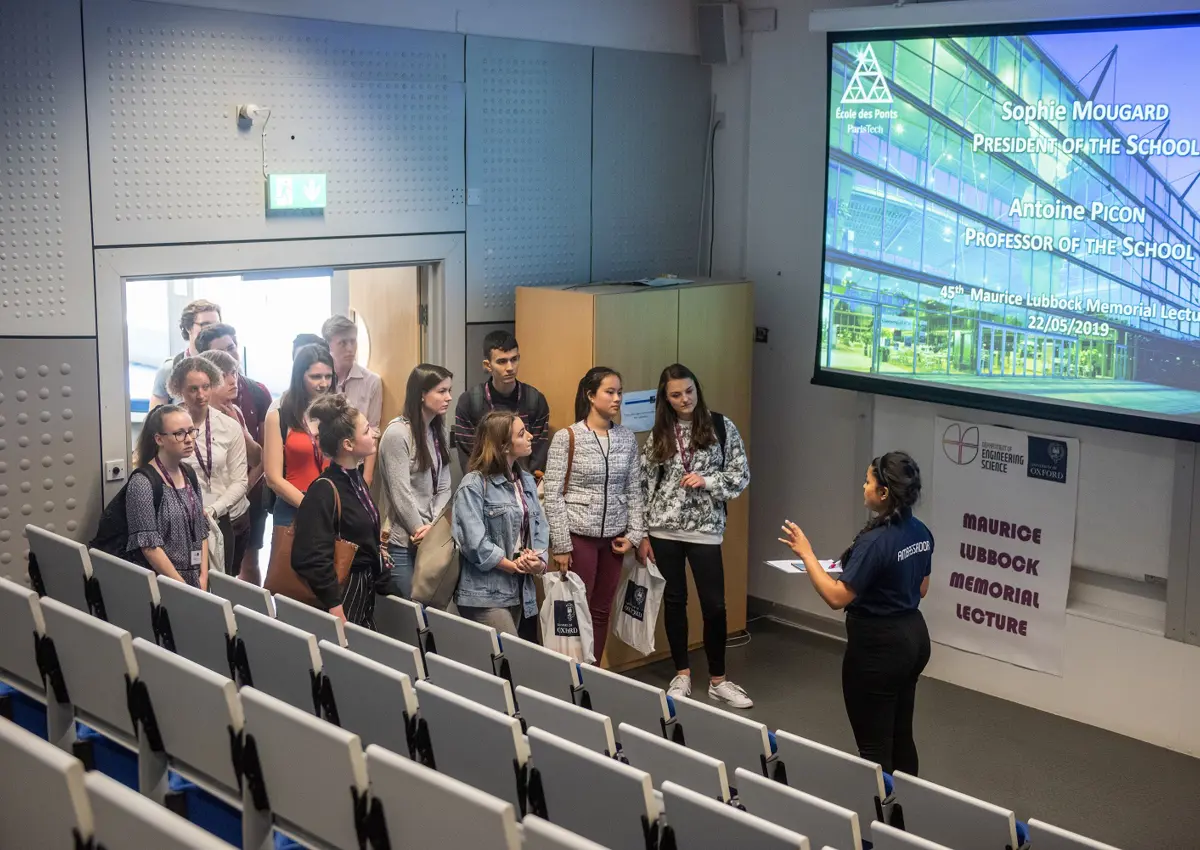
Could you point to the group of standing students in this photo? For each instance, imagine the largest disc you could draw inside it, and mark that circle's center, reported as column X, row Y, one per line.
column 599, row 498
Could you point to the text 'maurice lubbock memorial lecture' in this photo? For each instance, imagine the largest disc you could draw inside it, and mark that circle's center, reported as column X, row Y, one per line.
column 1003, row 520
column 1016, row 217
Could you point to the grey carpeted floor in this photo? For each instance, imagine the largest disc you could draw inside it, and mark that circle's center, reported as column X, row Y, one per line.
column 1104, row 785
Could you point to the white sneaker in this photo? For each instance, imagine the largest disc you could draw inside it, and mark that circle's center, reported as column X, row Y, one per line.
column 681, row 686
column 730, row 694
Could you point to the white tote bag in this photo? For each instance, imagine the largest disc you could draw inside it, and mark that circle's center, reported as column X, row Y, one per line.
column 635, row 607
column 565, row 617
column 216, row 548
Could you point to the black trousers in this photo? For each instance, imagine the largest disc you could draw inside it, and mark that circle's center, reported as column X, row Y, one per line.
column 708, row 571
column 236, row 536
column 884, row 658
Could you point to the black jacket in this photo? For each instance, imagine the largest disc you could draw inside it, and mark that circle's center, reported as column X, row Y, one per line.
column 315, row 529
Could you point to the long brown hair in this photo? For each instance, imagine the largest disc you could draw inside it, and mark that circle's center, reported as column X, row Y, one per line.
column 295, row 401
column 662, row 436
column 492, row 437
column 421, row 380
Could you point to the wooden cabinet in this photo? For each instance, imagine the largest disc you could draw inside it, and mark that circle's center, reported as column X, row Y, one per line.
column 707, row 325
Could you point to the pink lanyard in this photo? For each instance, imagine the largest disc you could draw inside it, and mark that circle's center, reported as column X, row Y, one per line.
column 685, row 454
column 435, row 468
column 517, row 485
column 207, row 470
column 487, row 392
column 364, row 496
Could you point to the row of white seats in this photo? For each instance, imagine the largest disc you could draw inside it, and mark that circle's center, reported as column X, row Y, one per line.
column 46, row 800
column 740, row 743
column 287, row 769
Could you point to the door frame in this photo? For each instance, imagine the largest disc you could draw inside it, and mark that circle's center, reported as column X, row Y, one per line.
column 443, row 253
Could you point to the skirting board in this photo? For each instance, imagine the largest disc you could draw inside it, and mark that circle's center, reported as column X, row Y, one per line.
column 795, row 617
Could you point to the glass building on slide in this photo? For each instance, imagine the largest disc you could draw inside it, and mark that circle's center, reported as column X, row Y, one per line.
column 899, row 204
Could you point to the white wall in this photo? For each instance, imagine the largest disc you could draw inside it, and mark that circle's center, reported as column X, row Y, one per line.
column 770, row 161
column 657, row 25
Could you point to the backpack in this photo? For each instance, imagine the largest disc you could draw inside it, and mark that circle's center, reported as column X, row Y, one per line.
column 112, row 534
column 478, row 407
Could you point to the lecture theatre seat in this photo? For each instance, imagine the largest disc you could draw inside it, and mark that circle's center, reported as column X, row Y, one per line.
column 627, row 700
column 568, row 721
column 373, row 701
column 242, row 593
column 476, row 745
column 541, row 669
column 667, row 761
column 591, row 795
column 43, row 799
column 468, row 682
column 400, row 656
column 22, row 688
column 957, row 820
column 841, row 778
column 60, row 568
column 826, row 824
column 127, row 594
column 702, row 823
column 465, row 641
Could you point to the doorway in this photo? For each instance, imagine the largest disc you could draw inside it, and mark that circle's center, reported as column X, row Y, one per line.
column 269, row 310
column 438, row 262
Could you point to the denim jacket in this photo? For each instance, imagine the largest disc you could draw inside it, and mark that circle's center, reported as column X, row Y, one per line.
column 486, row 527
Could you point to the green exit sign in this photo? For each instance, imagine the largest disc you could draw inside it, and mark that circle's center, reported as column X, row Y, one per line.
column 295, row 192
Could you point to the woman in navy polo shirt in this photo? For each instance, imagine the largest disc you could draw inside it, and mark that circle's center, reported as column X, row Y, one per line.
column 885, row 575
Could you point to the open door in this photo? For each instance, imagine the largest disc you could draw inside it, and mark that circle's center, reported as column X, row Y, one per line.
column 386, row 305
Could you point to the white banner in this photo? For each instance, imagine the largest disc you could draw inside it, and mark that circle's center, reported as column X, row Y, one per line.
column 1004, row 526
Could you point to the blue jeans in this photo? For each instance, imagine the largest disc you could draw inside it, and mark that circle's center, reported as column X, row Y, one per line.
column 399, row 580
column 283, row 514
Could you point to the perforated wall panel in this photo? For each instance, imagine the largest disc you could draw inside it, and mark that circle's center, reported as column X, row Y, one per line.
column 529, row 113
column 378, row 110
column 49, row 443
column 650, row 120
column 45, row 232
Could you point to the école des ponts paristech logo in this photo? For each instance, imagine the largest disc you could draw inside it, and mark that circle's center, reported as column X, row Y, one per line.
column 868, row 85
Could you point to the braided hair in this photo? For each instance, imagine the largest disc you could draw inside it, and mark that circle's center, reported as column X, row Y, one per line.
column 900, row 475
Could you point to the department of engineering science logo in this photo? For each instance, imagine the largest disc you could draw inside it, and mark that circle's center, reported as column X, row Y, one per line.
column 868, row 84
column 1047, row 459
column 960, row 444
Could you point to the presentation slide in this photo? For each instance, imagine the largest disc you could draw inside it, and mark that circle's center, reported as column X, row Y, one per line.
column 1012, row 218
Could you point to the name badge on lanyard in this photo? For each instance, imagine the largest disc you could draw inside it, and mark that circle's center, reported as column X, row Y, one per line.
column 197, row 555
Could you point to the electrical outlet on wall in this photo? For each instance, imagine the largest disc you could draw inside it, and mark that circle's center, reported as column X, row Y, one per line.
column 114, row 470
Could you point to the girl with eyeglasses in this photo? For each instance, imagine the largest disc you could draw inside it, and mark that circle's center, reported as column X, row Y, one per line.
column 172, row 537
column 219, row 457
column 885, row 575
